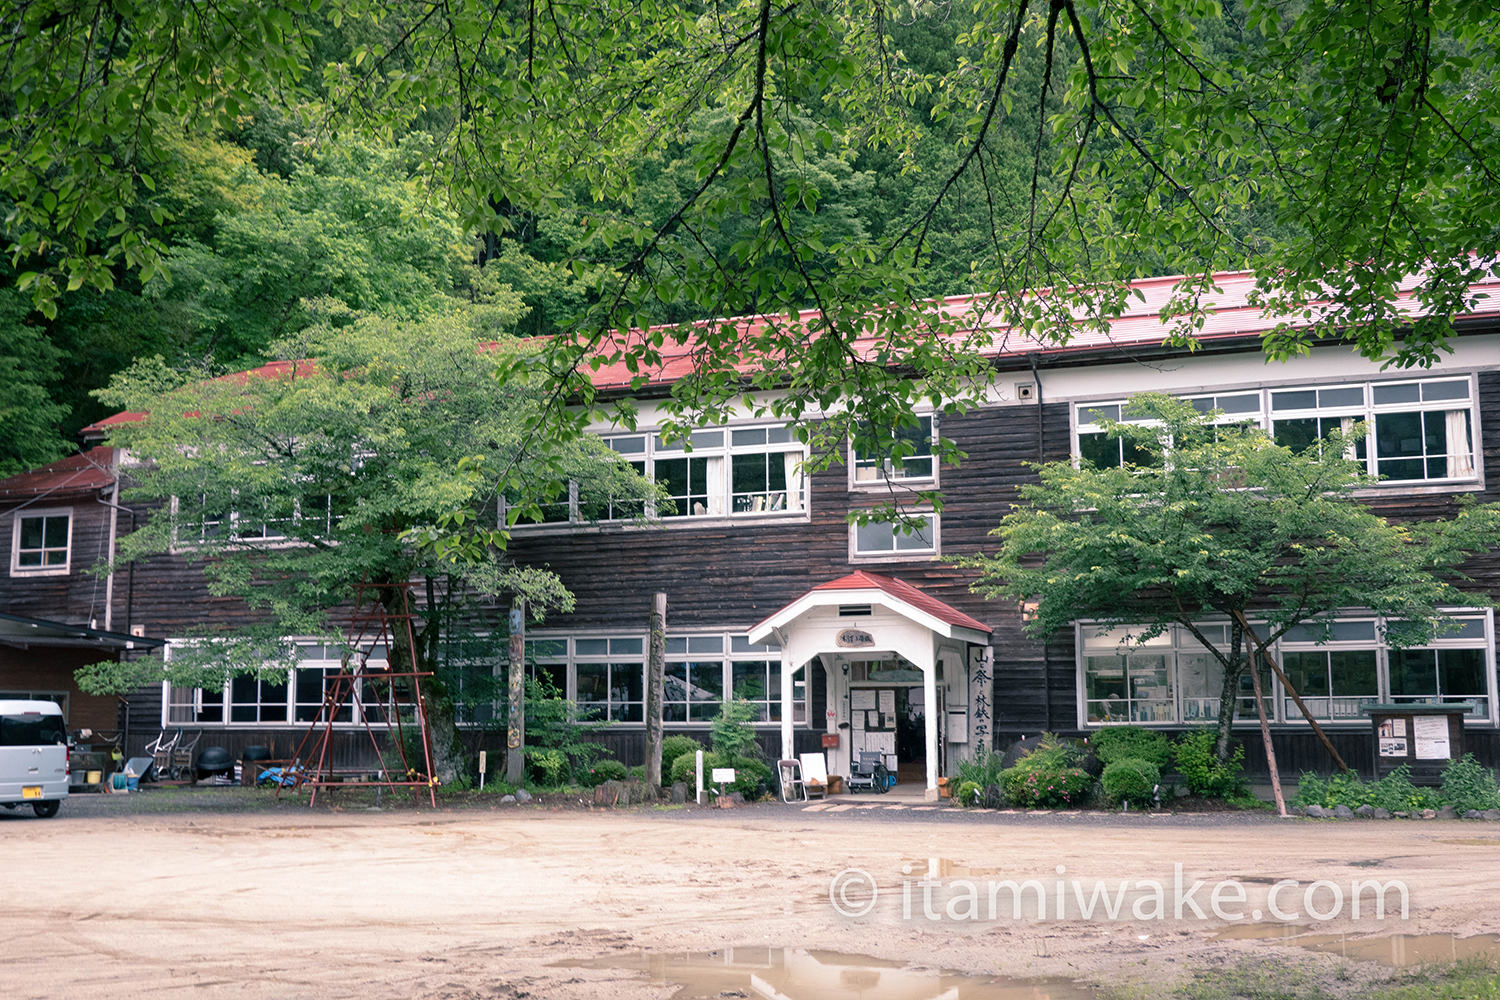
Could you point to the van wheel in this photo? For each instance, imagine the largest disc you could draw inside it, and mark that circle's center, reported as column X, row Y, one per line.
column 45, row 810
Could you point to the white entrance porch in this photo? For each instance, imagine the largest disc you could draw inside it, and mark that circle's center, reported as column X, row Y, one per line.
column 874, row 634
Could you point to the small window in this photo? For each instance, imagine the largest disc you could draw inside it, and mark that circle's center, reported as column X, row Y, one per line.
column 892, row 540
column 911, row 455
column 39, row 543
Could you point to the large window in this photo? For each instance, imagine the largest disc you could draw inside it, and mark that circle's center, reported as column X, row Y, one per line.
column 911, row 458
column 605, row 677
column 290, row 697
column 1337, row 671
column 722, row 472
column 197, row 520
column 1414, row 431
column 39, row 542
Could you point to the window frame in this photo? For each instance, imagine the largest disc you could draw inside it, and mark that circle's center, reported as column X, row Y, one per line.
column 44, row 514
column 896, row 554
column 1280, row 709
column 883, row 466
column 1367, row 411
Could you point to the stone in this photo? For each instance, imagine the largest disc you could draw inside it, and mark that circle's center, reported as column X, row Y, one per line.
column 993, row 797
column 1429, row 814
column 522, row 795
column 1382, row 813
column 1447, row 812
column 1492, row 814
column 1473, row 814
column 1315, row 811
column 1399, row 814
column 507, row 798
column 1343, row 812
column 1365, row 811
column 679, row 793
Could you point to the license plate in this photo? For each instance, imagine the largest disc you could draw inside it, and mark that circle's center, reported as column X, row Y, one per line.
column 31, row 791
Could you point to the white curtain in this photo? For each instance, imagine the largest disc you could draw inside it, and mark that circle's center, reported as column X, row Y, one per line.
column 793, row 464
column 1460, row 449
column 715, row 478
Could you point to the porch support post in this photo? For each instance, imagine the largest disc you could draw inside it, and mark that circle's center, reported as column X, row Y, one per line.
column 930, row 724
column 788, row 671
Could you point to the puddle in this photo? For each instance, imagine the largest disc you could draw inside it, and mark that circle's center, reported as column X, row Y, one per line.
column 797, row 974
column 1401, row 950
column 1398, row 950
column 1472, row 841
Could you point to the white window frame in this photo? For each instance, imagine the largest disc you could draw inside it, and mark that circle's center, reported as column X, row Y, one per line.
column 44, row 514
column 1366, row 411
column 1280, row 708
column 716, row 450
column 202, row 696
column 871, row 473
column 861, row 555
column 724, row 648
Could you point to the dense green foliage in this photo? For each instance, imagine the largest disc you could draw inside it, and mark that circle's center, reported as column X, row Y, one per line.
column 1130, row 780
column 1114, row 743
column 558, row 749
column 623, row 164
column 1394, row 792
column 1163, row 543
column 674, row 746
column 1050, row 776
column 1469, row 785
column 1204, row 769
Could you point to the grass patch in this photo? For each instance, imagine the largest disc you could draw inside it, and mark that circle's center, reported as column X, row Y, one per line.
column 1275, row 979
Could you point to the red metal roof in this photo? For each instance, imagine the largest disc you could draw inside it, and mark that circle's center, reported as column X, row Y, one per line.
column 1229, row 315
column 273, row 369
column 90, row 470
column 905, row 592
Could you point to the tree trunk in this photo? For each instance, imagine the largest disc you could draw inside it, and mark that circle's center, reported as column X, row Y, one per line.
column 1229, row 692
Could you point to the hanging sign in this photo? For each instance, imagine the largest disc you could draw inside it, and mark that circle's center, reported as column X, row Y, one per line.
column 853, row 638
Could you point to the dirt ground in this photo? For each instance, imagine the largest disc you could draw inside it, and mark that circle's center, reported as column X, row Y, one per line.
column 515, row 902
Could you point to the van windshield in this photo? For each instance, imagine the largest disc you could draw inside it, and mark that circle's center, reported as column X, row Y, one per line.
column 30, row 729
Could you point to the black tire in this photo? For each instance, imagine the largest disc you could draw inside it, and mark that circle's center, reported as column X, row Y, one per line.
column 45, row 810
column 882, row 779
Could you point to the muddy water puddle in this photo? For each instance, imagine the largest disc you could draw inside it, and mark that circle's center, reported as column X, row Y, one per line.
column 1397, row 950
column 797, row 974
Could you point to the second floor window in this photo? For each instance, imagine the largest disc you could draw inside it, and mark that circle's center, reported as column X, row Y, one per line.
column 911, row 456
column 39, row 543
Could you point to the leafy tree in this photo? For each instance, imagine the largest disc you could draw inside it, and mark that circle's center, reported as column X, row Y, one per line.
column 381, row 460
column 1334, row 148
column 28, row 370
column 1219, row 521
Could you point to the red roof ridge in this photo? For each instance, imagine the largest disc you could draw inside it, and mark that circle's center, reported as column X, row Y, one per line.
column 907, row 593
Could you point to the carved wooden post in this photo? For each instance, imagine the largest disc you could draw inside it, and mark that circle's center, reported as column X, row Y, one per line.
column 655, row 681
column 515, row 734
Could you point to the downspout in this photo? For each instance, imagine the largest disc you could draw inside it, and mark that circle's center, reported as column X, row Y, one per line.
column 114, row 524
column 1041, row 450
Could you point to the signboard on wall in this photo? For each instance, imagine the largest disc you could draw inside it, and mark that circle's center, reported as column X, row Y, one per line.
column 853, row 638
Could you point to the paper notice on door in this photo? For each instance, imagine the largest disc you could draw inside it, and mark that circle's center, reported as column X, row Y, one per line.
column 1392, row 727
column 888, row 701
column 1393, row 746
column 862, row 700
column 1431, row 735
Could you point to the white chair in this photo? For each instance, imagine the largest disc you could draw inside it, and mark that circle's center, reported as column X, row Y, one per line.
column 814, row 774
column 789, row 772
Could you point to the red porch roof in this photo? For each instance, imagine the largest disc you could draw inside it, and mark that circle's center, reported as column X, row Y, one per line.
column 903, row 591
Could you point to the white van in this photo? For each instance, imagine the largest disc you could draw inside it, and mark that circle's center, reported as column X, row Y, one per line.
column 33, row 756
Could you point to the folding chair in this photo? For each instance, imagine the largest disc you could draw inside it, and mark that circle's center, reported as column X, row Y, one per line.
column 814, row 774
column 792, row 785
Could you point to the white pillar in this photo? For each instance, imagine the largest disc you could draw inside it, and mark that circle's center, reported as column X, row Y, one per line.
column 788, row 671
column 930, row 724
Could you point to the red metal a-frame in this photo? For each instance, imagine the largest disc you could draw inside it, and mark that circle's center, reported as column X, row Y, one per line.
column 366, row 691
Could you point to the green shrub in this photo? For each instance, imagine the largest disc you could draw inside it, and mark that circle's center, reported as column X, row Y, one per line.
column 549, row 767
column 558, row 749
column 637, row 773
column 983, row 770
column 675, row 746
column 684, row 768
column 1130, row 779
column 1468, row 784
column 1394, row 792
column 1046, row 787
column 969, row 793
column 1198, row 762
column 604, row 770
column 1131, row 742
column 752, row 778
column 1047, row 777
column 732, row 735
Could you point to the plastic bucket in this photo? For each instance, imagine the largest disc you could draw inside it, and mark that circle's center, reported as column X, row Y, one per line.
column 93, row 777
column 119, row 782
